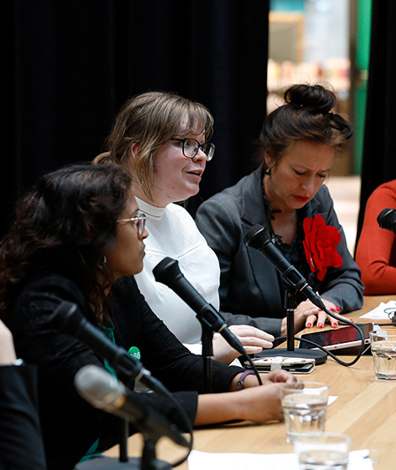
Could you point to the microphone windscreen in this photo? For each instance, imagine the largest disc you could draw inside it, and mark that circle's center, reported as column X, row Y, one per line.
column 97, row 386
column 256, row 236
column 166, row 270
column 387, row 219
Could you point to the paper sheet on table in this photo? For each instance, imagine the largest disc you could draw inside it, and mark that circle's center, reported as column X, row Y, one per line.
column 358, row 460
column 381, row 312
column 331, row 399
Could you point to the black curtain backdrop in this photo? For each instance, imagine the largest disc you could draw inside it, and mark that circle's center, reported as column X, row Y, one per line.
column 69, row 65
column 379, row 153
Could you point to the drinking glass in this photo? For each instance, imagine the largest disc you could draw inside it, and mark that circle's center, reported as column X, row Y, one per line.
column 304, row 407
column 383, row 349
column 327, row 451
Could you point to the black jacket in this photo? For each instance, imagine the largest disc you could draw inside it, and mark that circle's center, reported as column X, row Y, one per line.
column 70, row 425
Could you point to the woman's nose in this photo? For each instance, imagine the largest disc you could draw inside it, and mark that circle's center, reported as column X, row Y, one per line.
column 308, row 184
column 145, row 234
column 201, row 155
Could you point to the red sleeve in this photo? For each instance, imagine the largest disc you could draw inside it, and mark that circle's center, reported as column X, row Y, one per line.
column 376, row 253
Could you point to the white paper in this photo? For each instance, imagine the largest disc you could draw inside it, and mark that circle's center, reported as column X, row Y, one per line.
column 379, row 312
column 331, row 399
column 358, row 460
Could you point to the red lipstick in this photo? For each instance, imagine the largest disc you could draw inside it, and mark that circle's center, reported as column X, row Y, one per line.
column 302, row 199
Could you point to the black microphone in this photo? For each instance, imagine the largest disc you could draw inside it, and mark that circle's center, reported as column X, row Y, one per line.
column 168, row 272
column 387, row 219
column 67, row 319
column 258, row 238
column 103, row 391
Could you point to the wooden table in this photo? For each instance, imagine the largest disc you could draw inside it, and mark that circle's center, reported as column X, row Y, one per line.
column 365, row 410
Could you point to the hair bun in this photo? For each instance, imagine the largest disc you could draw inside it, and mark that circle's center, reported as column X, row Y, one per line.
column 314, row 97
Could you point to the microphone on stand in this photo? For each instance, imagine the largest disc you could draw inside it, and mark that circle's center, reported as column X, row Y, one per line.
column 387, row 219
column 258, row 238
column 68, row 319
column 168, row 272
column 99, row 388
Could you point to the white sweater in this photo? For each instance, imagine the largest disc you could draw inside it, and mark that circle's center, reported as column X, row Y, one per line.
column 173, row 233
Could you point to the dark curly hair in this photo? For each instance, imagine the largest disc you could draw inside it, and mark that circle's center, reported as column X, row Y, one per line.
column 306, row 115
column 65, row 224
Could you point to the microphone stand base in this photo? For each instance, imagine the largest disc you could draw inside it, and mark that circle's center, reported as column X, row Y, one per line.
column 319, row 356
column 113, row 463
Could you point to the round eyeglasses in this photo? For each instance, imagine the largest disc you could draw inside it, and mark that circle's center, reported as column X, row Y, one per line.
column 139, row 221
column 190, row 148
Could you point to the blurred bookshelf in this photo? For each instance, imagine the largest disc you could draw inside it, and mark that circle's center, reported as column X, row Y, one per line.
column 309, row 43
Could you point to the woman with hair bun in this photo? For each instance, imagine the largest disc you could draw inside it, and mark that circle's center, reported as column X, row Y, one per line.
column 286, row 195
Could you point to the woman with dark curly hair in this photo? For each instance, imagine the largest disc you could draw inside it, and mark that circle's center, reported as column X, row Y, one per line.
column 78, row 236
column 286, row 195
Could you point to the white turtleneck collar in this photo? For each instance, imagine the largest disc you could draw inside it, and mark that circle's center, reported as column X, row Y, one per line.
column 150, row 210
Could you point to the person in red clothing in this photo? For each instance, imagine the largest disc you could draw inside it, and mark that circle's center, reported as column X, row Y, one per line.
column 376, row 249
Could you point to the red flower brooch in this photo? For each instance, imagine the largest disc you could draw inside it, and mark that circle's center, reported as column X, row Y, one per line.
column 320, row 245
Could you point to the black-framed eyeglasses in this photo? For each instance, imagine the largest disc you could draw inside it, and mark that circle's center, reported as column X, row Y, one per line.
column 139, row 221
column 190, row 148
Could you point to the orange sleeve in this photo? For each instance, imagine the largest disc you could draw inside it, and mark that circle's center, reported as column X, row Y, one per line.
column 376, row 249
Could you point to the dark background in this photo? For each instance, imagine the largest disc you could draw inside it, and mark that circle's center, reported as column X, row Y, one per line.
column 68, row 65
column 379, row 149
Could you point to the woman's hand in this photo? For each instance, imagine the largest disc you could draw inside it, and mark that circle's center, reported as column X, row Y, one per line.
column 261, row 404
column 269, row 391
column 252, row 339
column 254, row 403
column 7, row 351
column 276, row 376
column 307, row 314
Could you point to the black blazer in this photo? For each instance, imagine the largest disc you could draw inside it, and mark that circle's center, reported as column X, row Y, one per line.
column 70, row 425
column 249, row 283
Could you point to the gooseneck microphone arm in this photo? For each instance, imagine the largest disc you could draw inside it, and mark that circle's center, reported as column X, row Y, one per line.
column 168, row 272
column 257, row 237
column 68, row 319
column 103, row 391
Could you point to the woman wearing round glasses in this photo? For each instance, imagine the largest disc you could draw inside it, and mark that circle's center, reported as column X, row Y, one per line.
column 163, row 139
column 77, row 237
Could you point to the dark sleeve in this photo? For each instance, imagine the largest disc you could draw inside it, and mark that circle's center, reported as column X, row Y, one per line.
column 21, row 445
column 161, row 352
column 70, row 425
column 218, row 221
column 342, row 286
column 269, row 325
